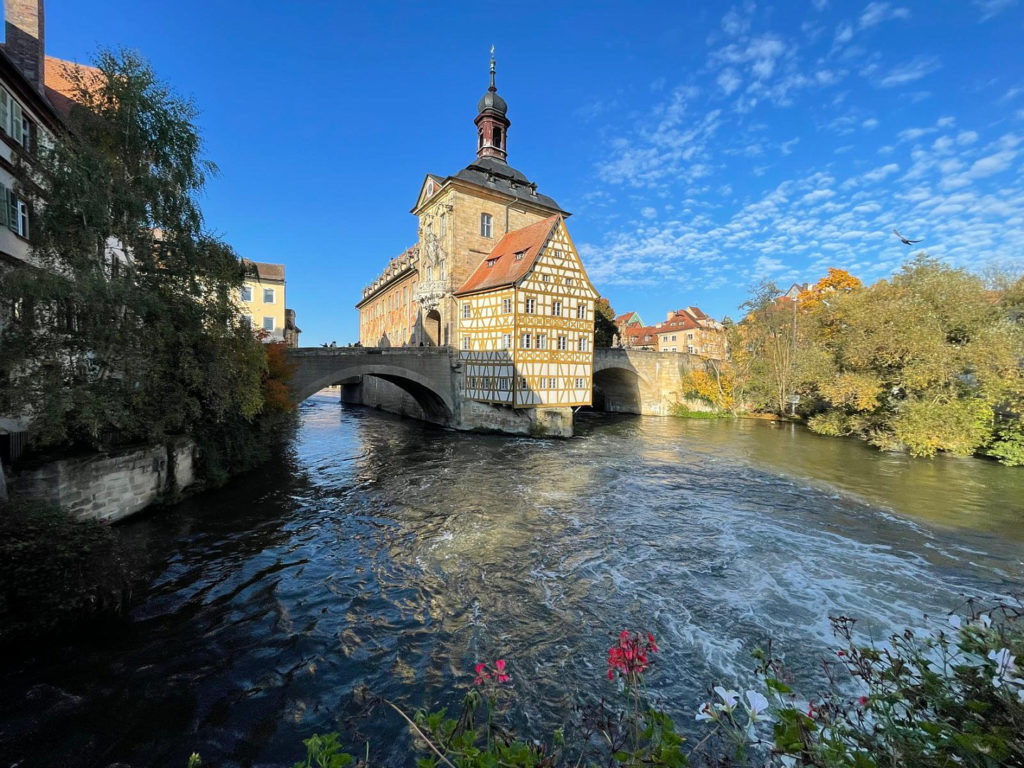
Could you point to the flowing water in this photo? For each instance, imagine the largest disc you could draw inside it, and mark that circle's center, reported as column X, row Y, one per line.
column 389, row 553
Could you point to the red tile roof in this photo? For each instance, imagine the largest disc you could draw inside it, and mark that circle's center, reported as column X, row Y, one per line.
column 61, row 88
column 501, row 267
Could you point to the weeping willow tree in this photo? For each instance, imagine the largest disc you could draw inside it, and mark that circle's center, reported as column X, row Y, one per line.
column 126, row 325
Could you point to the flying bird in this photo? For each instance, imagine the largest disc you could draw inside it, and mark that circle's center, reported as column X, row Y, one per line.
column 903, row 239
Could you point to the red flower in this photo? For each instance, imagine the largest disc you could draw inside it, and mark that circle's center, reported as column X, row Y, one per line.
column 862, row 700
column 629, row 655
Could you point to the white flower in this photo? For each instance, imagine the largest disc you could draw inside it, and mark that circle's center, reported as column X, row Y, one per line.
column 706, row 712
column 729, row 699
column 983, row 620
column 954, row 621
column 1004, row 665
column 757, row 706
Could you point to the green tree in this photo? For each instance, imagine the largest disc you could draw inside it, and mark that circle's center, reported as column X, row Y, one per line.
column 604, row 323
column 922, row 361
column 764, row 347
column 129, row 324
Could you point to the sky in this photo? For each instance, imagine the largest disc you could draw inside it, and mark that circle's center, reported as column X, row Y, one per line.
column 702, row 147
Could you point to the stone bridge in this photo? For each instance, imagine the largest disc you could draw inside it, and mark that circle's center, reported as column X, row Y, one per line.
column 426, row 383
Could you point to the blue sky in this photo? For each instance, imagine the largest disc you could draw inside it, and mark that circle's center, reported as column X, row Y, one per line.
column 701, row 146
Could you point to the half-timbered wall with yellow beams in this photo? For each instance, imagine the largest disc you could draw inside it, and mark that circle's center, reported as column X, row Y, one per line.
column 532, row 345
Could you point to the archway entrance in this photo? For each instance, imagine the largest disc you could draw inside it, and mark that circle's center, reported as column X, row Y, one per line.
column 432, row 328
column 617, row 390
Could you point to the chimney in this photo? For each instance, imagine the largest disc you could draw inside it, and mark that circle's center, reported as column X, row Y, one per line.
column 24, row 41
column 671, row 314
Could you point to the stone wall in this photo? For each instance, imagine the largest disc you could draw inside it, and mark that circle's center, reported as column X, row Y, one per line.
column 110, row 486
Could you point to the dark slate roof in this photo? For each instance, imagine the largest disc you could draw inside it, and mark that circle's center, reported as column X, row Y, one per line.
column 264, row 271
column 492, row 173
column 491, row 100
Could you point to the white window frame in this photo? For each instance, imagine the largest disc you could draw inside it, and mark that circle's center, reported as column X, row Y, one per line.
column 506, row 306
column 245, row 293
column 272, row 327
column 581, row 345
column 563, row 343
column 506, row 341
column 465, row 343
column 556, row 308
column 542, row 341
column 581, row 311
column 273, row 296
column 530, row 306
column 524, row 341
column 486, row 225
column 467, row 310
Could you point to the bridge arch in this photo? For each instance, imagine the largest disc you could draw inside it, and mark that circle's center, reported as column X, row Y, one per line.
column 431, row 391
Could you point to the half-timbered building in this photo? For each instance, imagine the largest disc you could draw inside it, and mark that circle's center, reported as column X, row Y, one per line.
column 526, row 321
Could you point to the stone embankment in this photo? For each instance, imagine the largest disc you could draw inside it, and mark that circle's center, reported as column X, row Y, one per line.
column 110, row 486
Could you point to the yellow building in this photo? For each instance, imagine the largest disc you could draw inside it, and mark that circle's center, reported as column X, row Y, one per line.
column 262, row 298
column 461, row 219
column 526, row 321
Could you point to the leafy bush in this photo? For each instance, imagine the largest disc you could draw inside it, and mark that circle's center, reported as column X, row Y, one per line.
column 1008, row 445
column 830, row 423
column 958, row 427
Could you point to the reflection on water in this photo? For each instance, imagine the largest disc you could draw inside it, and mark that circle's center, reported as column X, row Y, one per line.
column 393, row 554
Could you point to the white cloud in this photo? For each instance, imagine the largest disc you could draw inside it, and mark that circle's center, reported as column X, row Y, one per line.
column 870, row 124
column 881, row 172
column 911, row 71
column 966, row 137
column 787, row 146
column 728, row 80
column 648, row 212
column 876, row 13
column 844, row 34
column 737, row 22
column 990, row 8
column 995, row 163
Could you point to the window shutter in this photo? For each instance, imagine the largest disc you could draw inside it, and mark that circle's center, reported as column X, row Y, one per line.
column 12, row 211
column 5, row 110
column 5, row 203
column 14, row 127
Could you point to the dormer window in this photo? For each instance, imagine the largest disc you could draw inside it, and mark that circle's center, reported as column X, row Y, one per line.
column 491, row 262
column 519, row 255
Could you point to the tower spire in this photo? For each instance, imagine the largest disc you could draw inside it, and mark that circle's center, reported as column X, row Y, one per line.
column 492, row 122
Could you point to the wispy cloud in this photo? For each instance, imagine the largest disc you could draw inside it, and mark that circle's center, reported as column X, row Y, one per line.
column 990, row 8
column 911, row 71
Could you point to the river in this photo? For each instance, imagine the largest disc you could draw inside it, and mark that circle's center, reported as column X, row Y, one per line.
column 389, row 553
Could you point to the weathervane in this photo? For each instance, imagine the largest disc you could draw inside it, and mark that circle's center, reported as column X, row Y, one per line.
column 493, row 86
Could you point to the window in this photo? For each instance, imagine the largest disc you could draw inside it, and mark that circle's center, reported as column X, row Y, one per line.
column 442, row 270
column 673, row 337
column 247, row 321
column 491, row 262
column 522, row 383
column 13, row 212
column 542, row 341
column 268, row 323
column 581, row 383
column 268, row 295
column 485, row 225
column 581, row 344
column 689, row 337
column 570, row 282
column 496, row 137
column 525, row 342
column 506, row 341
column 581, row 311
column 246, row 293
column 506, row 306
column 545, row 278
column 466, row 310
column 530, row 306
column 519, row 255
column 465, row 342
column 444, row 225
column 556, row 308
column 563, row 342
